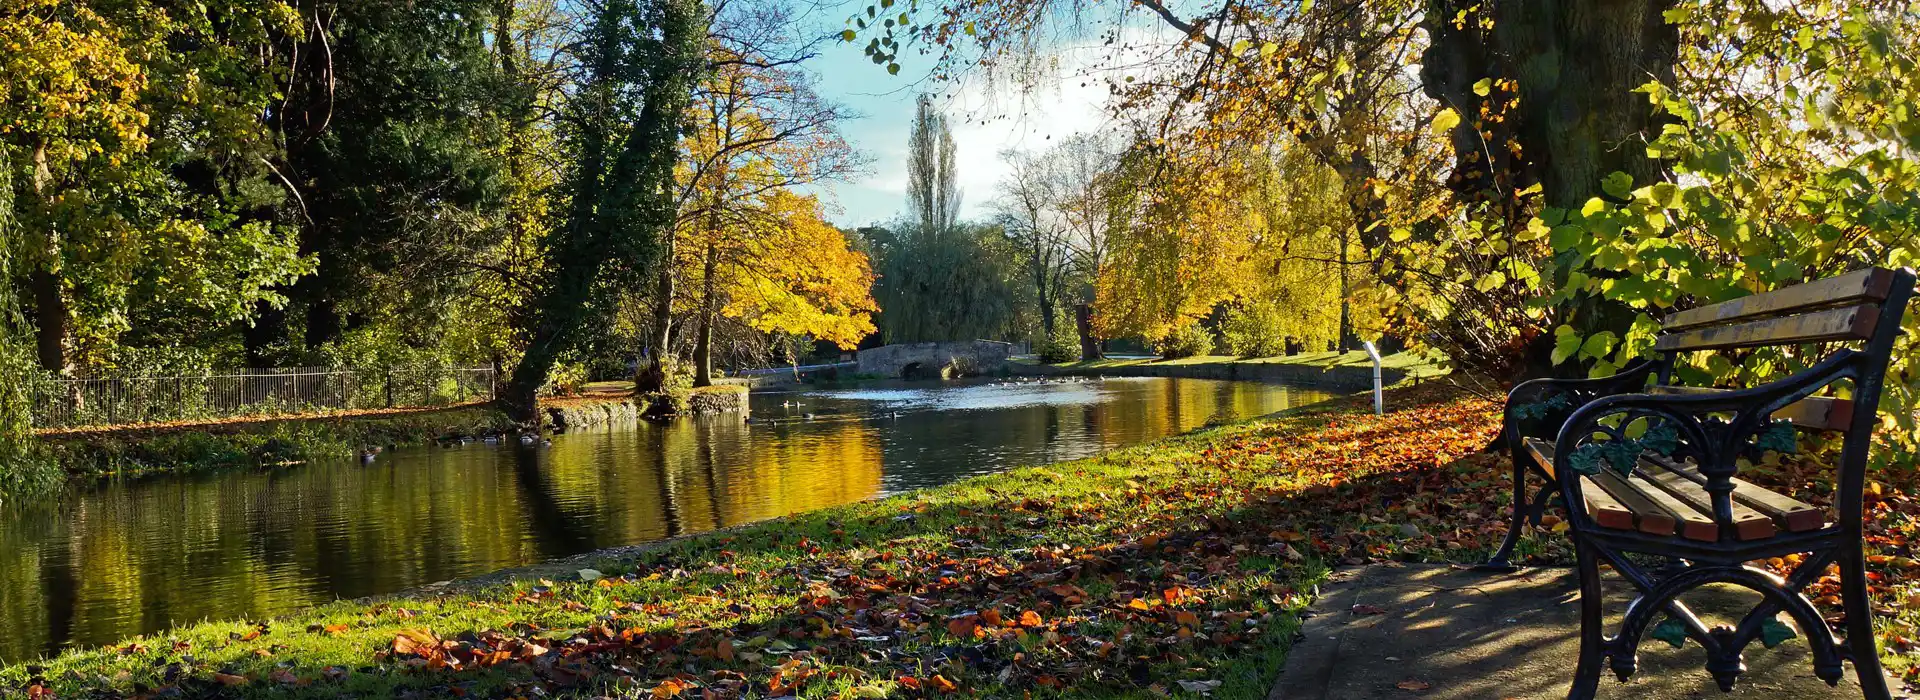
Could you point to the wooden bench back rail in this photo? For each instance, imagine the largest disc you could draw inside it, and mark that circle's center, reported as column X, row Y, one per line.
column 1871, row 285
column 1840, row 308
column 1811, row 413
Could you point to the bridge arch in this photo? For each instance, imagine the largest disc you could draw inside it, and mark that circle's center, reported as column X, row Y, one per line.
column 935, row 360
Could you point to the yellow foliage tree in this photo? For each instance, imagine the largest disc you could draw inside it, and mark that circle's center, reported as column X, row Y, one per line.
column 747, row 246
column 1260, row 240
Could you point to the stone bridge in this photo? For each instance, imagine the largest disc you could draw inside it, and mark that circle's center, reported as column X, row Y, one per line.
column 935, row 360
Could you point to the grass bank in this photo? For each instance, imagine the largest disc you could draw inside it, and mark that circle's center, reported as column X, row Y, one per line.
column 244, row 443
column 1346, row 367
column 1176, row 568
column 1429, row 365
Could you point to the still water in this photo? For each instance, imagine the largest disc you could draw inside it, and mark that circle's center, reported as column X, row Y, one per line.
column 141, row 555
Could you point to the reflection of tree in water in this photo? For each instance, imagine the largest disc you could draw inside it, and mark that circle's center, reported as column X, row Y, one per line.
column 554, row 532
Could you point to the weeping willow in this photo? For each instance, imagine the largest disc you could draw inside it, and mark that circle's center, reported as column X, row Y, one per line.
column 21, row 466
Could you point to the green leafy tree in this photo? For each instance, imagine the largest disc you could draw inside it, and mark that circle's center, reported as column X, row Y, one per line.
column 1799, row 173
column 940, row 279
column 398, row 191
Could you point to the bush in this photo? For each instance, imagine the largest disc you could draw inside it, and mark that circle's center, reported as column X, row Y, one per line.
column 566, row 379
column 675, row 386
column 1253, row 331
column 1185, row 341
column 1062, row 346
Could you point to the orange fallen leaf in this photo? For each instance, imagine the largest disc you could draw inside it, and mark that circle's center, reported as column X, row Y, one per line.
column 671, row 687
column 1030, row 619
column 1414, row 685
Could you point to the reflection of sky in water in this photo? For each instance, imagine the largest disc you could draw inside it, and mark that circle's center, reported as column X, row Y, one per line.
column 135, row 556
column 1012, row 394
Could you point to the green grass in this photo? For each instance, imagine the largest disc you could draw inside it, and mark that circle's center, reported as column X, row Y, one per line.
column 1423, row 365
column 1144, row 568
column 245, row 444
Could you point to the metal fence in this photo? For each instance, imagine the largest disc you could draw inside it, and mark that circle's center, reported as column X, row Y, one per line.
column 128, row 400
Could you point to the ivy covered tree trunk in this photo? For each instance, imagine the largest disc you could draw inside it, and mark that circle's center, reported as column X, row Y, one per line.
column 703, row 344
column 622, row 128
column 1545, row 92
column 653, row 377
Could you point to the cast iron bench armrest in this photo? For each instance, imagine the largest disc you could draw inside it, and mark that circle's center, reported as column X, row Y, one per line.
column 1579, row 391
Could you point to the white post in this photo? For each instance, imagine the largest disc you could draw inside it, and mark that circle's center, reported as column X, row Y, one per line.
column 1379, row 405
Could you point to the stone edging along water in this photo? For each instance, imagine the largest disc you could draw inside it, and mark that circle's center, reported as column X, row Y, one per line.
column 1339, row 378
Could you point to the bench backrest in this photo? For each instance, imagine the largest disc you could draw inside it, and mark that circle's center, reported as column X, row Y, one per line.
column 1865, row 305
column 1847, row 307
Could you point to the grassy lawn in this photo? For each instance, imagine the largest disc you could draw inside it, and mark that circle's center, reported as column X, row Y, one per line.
column 1176, row 568
column 1414, row 363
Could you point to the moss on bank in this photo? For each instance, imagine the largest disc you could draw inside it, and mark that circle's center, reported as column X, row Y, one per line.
column 243, row 444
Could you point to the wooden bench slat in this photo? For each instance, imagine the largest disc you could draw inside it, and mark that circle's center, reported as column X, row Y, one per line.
column 1601, row 506
column 1869, row 285
column 1748, row 524
column 1788, row 513
column 1812, row 413
column 1843, row 323
column 1670, row 497
column 1690, row 523
column 1542, row 452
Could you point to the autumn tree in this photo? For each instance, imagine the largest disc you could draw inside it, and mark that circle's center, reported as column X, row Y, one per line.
column 778, row 267
column 747, row 247
column 140, row 179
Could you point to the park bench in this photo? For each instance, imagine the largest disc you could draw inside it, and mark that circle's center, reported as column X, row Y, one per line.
column 1650, row 468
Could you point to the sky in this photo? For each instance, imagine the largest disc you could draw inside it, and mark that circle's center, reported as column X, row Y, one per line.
column 986, row 120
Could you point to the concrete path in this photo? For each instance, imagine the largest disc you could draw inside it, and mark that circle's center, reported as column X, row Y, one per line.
column 1455, row 633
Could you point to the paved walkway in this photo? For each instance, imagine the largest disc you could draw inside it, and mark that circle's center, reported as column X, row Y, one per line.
column 1451, row 633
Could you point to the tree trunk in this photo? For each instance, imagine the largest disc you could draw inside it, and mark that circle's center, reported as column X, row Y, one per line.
column 703, row 344
column 659, row 355
column 1089, row 345
column 1346, row 297
column 1575, row 64
column 1563, row 80
column 50, row 321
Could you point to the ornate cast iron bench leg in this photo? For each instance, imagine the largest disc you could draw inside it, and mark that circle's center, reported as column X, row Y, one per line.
column 1862, row 647
column 1501, row 557
column 1593, row 642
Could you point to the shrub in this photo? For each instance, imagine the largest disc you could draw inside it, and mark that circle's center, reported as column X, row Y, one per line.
column 1063, row 345
column 1185, row 341
column 1253, row 331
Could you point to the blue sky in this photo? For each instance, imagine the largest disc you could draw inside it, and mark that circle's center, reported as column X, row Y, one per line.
column 986, row 119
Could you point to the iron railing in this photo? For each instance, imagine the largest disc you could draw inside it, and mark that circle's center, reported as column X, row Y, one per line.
column 128, row 400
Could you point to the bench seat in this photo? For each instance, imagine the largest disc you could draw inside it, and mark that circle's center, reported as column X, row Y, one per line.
column 1669, row 498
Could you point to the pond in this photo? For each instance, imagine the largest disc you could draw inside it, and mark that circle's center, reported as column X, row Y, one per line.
column 139, row 556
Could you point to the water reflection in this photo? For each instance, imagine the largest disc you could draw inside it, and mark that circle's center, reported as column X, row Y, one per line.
column 138, row 556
